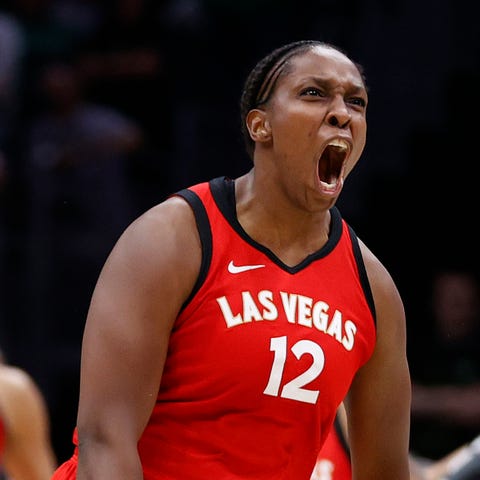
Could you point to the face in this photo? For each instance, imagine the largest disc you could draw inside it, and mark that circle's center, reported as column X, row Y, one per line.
column 313, row 128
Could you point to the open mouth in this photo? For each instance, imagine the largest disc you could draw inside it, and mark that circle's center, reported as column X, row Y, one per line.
column 331, row 163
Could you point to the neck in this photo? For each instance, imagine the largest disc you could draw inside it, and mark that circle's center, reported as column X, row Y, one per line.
column 289, row 232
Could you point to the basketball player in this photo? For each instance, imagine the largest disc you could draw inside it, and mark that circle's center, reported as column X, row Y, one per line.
column 231, row 320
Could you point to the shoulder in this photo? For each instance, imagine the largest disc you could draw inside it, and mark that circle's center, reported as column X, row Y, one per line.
column 166, row 224
column 162, row 243
column 389, row 308
column 14, row 380
column 383, row 285
column 19, row 394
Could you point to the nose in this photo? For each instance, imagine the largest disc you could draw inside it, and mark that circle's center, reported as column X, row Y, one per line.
column 338, row 115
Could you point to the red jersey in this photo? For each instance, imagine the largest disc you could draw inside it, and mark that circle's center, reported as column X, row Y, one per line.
column 261, row 354
column 333, row 461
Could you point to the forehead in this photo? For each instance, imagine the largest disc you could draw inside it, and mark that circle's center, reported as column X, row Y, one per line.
column 327, row 63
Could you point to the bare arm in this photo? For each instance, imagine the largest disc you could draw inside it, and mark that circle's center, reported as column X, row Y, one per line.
column 378, row 403
column 420, row 469
column 28, row 452
column 146, row 279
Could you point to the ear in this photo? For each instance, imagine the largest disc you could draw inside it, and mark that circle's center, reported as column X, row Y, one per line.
column 258, row 125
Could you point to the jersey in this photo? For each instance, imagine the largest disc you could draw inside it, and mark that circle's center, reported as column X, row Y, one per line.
column 261, row 354
column 333, row 462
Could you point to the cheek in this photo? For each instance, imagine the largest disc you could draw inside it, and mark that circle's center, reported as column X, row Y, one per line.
column 289, row 120
column 289, row 137
column 360, row 137
column 352, row 161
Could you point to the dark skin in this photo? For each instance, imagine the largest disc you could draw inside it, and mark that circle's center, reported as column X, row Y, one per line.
column 281, row 203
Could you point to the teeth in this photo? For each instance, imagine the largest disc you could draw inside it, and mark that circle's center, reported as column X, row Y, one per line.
column 339, row 143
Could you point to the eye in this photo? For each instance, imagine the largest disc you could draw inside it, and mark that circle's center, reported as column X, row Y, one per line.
column 312, row 92
column 358, row 101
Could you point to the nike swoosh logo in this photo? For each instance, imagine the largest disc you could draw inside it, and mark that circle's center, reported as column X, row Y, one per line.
column 242, row 268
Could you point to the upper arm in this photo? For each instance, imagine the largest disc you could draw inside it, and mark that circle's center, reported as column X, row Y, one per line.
column 379, row 398
column 28, row 451
column 143, row 284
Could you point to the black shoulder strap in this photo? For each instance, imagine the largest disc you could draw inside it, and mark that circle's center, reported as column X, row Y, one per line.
column 205, row 233
column 362, row 272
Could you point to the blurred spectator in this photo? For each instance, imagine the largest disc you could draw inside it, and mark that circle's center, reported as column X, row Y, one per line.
column 77, row 155
column 26, row 452
column 45, row 38
column 446, row 366
column 122, row 64
column 124, row 55
column 37, row 34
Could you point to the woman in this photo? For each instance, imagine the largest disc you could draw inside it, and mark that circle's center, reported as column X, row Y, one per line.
column 231, row 320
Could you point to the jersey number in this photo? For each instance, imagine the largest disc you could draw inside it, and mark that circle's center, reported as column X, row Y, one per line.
column 294, row 389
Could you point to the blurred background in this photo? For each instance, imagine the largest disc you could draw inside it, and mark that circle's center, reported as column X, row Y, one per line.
column 106, row 107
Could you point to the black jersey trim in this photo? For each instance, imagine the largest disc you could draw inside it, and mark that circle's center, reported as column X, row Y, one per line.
column 205, row 233
column 341, row 435
column 363, row 273
column 223, row 191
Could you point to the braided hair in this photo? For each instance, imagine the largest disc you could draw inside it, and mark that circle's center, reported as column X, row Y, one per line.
column 260, row 83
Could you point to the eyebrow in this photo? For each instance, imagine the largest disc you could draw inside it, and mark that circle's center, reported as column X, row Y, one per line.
column 328, row 82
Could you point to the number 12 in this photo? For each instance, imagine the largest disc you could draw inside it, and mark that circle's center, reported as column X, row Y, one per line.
column 293, row 389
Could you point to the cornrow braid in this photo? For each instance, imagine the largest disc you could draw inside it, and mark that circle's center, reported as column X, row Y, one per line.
column 261, row 81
